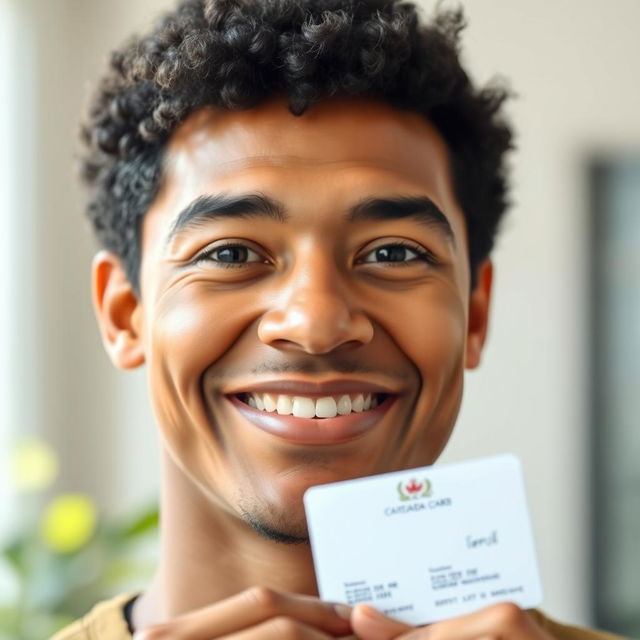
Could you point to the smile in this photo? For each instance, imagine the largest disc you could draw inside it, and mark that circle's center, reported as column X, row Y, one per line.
column 312, row 415
column 309, row 407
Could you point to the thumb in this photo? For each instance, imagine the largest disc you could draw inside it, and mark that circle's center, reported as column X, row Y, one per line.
column 369, row 624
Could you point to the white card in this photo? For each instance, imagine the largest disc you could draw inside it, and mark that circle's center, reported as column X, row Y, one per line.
column 426, row 544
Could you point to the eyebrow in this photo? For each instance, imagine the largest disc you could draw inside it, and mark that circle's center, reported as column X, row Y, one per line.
column 214, row 207
column 419, row 208
column 255, row 205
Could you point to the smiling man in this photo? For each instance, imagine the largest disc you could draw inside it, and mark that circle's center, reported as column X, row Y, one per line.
column 297, row 201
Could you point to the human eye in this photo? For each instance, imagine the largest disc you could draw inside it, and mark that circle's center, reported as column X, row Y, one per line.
column 398, row 254
column 229, row 255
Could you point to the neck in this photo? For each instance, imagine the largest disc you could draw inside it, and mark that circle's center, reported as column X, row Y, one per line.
column 207, row 554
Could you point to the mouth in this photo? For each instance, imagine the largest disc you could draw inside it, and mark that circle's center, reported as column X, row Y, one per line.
column 313, row 419
column 320, row 408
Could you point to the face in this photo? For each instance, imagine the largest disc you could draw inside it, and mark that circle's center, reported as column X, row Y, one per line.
column 305, row 312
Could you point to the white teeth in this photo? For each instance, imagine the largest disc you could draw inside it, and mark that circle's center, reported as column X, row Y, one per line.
column 326, row 408
column 284, row 406
column 344, row 405
column 270, row 403
column 358, row 403
column 304, row 407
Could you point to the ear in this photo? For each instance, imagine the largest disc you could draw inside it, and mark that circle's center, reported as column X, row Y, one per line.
column 478, row 323
column 118, row 311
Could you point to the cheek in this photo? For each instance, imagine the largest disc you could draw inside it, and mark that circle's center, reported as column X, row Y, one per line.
column 430, row 328
column 431, row 332
column 192, row 329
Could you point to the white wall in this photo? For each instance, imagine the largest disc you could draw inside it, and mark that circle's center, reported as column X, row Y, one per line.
column 59, row 382
column 19, row 336
column 575, row 65
column 7, row 20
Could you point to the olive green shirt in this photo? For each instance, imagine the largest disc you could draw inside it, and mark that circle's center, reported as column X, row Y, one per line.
column 106, row 621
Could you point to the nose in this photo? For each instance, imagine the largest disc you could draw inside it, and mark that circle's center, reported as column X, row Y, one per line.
column 315, row 314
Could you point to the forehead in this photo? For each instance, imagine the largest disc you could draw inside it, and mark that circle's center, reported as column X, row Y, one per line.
column 338, row 150
column 331, row 132
column 375, row 131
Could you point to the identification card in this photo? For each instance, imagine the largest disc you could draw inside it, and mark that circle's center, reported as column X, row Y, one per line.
column 426, row 544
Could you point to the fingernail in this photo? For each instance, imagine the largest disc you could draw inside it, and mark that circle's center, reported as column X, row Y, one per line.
column 343, row 611
column 372, row 613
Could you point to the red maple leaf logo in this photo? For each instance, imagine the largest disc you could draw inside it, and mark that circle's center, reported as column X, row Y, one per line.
column 413, row 486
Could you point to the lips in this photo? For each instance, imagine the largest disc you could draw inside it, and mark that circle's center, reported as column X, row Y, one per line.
column 343, row 409
column 305, row 388
column 313, row 431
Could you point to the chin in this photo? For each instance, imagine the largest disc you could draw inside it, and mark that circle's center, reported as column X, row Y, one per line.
column 274, row 506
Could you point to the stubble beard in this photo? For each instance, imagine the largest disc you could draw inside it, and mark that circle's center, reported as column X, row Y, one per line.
column 273, row 524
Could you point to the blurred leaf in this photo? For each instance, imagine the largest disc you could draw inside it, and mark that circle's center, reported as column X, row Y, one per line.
column 41, row 625
column 143, row 524
column 14, row 552
column 126, row 571
column 8, row 618
column 66, row 558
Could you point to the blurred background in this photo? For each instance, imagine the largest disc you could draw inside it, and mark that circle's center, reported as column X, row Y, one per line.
column 559, row 382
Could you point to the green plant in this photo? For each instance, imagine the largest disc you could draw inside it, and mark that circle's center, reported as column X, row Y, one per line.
column 63, row 558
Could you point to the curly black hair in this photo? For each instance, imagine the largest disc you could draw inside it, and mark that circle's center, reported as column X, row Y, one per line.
column 236, row 53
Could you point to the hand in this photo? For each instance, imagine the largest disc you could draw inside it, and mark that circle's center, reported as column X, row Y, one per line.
column 257, row 614
column 505, row 621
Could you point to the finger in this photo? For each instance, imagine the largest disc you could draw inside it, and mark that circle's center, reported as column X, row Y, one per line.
column 369, row 624
column 503, row 620
column 280, row 628
column 249, row 609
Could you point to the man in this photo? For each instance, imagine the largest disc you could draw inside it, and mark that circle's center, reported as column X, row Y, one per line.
column 297, row 201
